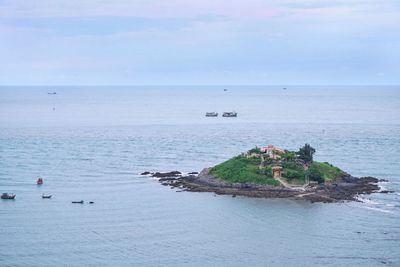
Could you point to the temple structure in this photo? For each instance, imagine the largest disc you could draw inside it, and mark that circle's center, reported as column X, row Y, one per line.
column 277, row 171
column 272, row 151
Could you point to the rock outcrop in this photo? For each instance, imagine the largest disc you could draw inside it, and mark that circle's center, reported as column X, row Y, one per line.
column 344, row 188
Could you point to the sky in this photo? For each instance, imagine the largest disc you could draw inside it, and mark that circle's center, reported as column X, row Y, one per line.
column 199, row 42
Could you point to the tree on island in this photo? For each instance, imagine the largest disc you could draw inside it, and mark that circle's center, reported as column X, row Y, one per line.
column 306, row 153
column 314, row 174
column 255, row 150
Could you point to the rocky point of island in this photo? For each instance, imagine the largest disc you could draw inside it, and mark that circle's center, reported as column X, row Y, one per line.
column 272, row 172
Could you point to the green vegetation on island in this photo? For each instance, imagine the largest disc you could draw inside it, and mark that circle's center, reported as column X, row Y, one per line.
column 274, row 166
column 241, row 169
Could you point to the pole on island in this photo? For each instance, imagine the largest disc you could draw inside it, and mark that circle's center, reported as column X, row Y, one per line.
column 307, row 178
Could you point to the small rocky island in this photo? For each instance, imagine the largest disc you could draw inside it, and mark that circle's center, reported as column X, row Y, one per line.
column 272, row 172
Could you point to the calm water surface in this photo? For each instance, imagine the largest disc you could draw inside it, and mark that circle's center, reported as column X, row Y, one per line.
column 91, row 143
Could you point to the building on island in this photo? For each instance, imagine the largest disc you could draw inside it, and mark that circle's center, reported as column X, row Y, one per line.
column 269, row 151
column 252, row 155
column 277, row 171
column 272, row 151
column 265, row 154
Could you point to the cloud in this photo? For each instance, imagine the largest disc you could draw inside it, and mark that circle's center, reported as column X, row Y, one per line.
column 154, row 41
column 150, row 8
column 70, row 26
column 180, row 8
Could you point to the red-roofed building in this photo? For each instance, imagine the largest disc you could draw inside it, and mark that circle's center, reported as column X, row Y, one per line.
column 272, row 151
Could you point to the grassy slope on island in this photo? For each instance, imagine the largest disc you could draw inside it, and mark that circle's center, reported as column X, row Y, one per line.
column 327, row 171
column 293, row 172
column 243, row 170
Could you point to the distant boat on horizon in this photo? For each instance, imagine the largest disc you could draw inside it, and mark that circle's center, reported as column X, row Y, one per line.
column 7, row 196
column 211, row 114
column 225, row 89
column 52, row 93
column 39, row 181
column 229, row 114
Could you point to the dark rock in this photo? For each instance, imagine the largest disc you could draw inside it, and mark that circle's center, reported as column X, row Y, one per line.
column 167, row 179
column 368, row 179
column 386, row 191
column 344, row 188
column 167, row 174
column 145, row 173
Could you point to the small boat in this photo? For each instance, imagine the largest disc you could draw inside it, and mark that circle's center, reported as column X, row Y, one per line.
column 39, row 181
column 91, row 202
column 211, row 114
column 225, row 90
column 52, row 93
column 7, row 196
column 46, row 196
column 77, row 202
column 229, row 114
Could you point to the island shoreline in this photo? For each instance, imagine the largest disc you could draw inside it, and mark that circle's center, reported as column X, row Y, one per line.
column 344, row 188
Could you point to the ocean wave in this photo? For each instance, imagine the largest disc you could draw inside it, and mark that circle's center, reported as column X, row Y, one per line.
column 378, row 209
column 370, row 204
column 367, row 201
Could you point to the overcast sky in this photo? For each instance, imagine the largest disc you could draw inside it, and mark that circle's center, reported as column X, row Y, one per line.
column 103, row 42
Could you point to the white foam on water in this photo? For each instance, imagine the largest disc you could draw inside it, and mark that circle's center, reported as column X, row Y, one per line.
column 382, row 188
column 377, row 209
column 367, row 201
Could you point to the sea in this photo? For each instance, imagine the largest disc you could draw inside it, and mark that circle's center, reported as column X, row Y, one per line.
column 91, row 143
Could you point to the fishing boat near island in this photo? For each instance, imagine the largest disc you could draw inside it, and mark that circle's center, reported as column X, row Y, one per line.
column 46, row 196
column 229, row 114
column 7, row 196
column 211, row 114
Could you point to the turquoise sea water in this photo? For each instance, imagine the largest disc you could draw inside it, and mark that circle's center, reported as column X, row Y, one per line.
column 91, row 143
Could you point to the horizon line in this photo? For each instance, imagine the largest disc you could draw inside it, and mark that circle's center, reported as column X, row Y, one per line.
column 129, row 85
